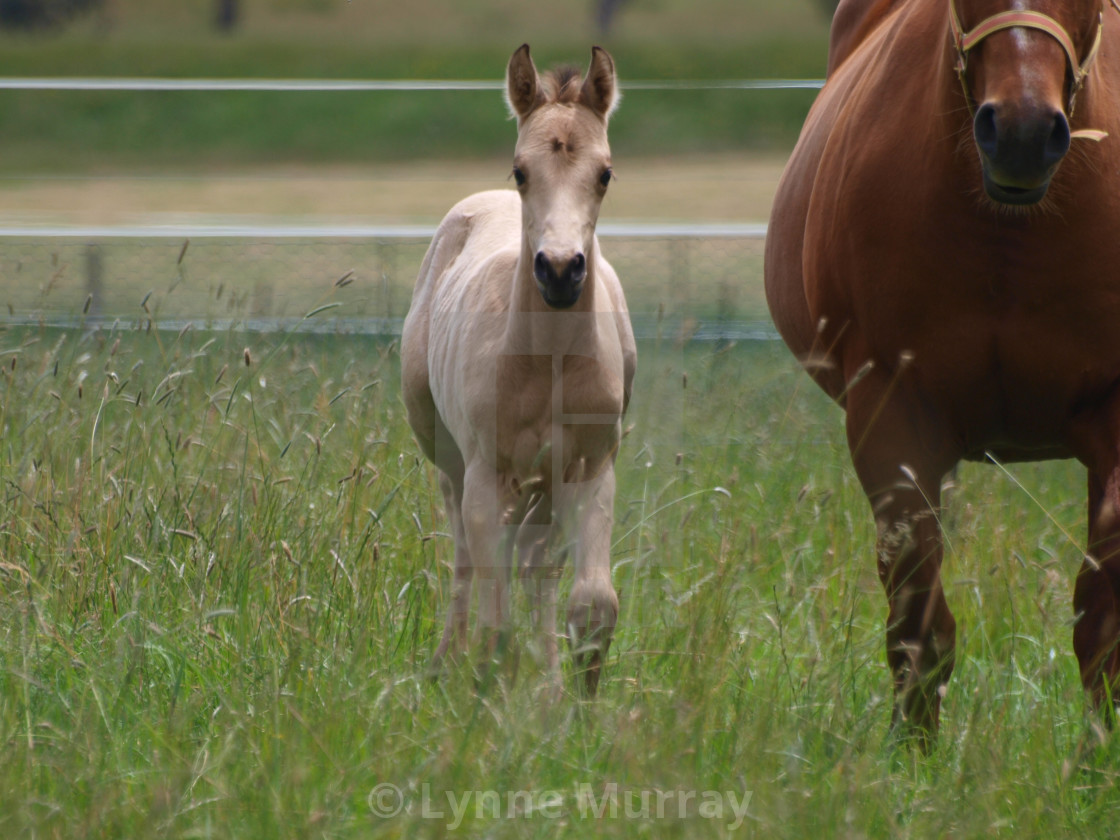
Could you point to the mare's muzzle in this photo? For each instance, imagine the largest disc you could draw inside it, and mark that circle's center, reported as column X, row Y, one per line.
column 1019, row 152
column 560, row 280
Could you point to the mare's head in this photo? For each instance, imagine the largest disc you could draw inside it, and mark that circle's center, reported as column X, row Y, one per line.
column 1022, row 64
column 562, row 166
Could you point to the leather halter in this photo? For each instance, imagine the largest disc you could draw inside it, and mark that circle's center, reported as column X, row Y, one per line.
column 966, row 41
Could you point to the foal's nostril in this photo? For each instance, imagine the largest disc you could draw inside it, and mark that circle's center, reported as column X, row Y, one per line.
column 577, row 268
column 985, row 130
column 541, row 267
column 1057, row 144
column 549, row 271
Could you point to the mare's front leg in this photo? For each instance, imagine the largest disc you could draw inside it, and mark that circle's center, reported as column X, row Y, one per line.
column 900, row 454
column 1096, row 595
column 593, row 603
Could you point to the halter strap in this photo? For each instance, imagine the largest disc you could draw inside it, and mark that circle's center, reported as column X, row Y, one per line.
column 966, row 41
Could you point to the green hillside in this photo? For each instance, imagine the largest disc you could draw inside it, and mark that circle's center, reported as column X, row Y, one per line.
column 666, row 40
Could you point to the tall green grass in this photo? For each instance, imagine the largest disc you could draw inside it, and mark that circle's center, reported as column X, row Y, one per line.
column 224, row 568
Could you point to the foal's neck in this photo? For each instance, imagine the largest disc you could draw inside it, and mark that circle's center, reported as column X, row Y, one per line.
column 536, row 328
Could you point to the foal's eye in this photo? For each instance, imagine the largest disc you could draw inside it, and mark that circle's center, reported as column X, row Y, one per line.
column 518, row 177
column 605, row 178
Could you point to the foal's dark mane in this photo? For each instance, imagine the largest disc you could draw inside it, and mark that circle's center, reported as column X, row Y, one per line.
column 561, row 85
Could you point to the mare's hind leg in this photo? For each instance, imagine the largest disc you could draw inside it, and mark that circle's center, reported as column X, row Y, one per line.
column 1096, row 595
column 900, row 457
column 454, row 639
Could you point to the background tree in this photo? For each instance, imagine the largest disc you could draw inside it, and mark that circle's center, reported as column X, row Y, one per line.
column 228, row 13
column 40, row 14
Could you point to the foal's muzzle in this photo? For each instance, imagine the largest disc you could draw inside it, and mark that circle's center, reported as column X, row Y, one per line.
column 560, row 280
column 1019, row 152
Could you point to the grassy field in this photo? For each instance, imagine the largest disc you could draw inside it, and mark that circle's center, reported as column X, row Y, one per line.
column 224, row 569
column 224, row 566
column 64, row 132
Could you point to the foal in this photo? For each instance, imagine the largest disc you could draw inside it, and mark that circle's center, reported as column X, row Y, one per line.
column 517, row 362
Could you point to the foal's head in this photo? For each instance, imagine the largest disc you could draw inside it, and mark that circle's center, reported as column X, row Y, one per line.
column 562, row 166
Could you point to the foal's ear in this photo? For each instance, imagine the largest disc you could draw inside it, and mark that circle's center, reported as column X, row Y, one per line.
column 600, row 88
column 523, row 86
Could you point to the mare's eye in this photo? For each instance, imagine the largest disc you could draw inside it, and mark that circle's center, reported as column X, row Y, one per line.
column 518, row 177
column 605, row 178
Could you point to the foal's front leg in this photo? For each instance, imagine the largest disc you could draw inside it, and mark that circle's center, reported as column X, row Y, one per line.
column 486, row 503
column 539, row 564
column 593, row 604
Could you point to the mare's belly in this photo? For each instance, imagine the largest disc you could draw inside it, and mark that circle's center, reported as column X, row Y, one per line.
column 1011, row 386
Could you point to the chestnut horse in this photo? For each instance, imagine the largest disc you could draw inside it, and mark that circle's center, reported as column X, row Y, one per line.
column 943, row 258
column 517, row 362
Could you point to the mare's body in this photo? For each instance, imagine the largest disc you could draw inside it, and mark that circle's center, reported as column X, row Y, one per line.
column 946, row 266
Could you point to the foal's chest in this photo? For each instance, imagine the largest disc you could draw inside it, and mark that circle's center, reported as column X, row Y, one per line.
column 557, row 414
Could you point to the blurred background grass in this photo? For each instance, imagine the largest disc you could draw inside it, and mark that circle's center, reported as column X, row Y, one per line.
column 427, row 39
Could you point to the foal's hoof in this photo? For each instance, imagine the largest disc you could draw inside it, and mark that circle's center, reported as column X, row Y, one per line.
column 499, row 660
column 550, row 693
column 592, row 614
column 442, row 660
column 588, row 658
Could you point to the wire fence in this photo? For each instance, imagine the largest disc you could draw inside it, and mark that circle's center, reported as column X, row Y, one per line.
column 365, row 85
column 687, row 282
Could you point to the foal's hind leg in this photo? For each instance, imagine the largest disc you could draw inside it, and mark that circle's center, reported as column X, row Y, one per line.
column 454, row 639
column 900, row 458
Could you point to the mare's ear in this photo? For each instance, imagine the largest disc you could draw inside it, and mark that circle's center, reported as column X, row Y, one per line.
column 523, row 86
column 600, row 88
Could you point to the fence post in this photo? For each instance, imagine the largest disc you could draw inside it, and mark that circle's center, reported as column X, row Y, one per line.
column 679, row 278
column 385, row 254
column 95, row 279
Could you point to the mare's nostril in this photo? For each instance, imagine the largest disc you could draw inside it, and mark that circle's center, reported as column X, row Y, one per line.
column 1057, row 144
column 985, row 130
